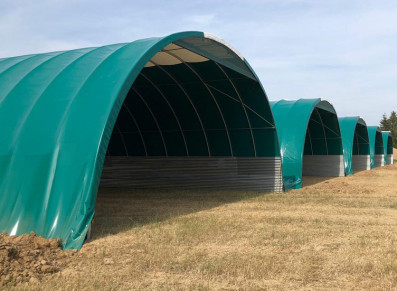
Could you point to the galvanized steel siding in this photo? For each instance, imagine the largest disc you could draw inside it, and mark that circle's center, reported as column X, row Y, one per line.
column 361, row 162
column 390, row 159
column 379, row 160
column 323, row 165
column 256, row 174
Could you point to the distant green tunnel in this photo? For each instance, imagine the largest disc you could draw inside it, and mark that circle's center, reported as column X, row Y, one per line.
column 356, row 149
column 310, row 139
column 376, row 146
column 388, row 147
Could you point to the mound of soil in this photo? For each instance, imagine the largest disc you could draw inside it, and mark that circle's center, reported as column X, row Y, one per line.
column 27, row 258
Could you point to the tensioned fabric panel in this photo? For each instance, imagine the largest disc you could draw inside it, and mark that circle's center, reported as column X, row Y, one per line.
column 361, row 140
column 209, row 47
column 185, row 112
column 323, row 135
column 375, row 143
column 355, row 140
column 388, row 146
column 305, row 127
column 226, row 173
column 57, row 114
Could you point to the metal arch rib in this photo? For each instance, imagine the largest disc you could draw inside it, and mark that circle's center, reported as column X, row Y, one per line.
column 358, row 144
column 191, row 102
column 242, row 105
column 310, row 140
column 325, row 137
column 260, row 116
column 338, row 135
column 223, row 93
column 172, row 110
column 137, row 126
column 363, row 139
column 122, row 138
column 212, row 95
column 245, row 106
column 154, row 118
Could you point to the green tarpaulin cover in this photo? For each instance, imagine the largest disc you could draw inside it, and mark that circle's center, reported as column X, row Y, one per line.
column 355, row 140
column 58, row 110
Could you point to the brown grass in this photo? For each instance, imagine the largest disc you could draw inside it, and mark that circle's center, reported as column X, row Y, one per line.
column 334, row 234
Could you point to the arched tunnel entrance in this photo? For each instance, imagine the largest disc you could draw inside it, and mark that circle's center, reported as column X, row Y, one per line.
column 388, row 146
column 191, row 120
column 361, row 151
column 196, row 117
column 379, row 150
column 323, row 152
column 356, row 145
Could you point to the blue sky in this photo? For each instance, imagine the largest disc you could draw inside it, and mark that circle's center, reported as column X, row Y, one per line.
column 344, row 51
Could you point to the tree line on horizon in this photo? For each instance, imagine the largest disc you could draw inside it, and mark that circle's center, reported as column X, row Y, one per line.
column 390, row 124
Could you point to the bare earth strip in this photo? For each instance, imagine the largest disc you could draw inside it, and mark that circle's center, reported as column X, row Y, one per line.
column 338, row 233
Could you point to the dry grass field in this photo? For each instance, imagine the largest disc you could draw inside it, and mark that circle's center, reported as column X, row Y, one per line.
column 339, row 233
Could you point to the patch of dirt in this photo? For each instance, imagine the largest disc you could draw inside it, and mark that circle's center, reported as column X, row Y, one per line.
column 362, row 182
column 27, row 258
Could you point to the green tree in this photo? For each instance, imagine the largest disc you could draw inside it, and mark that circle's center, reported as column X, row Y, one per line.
column 384, row 123
column 390, row 124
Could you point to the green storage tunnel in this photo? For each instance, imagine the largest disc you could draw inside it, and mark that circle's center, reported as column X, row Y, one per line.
column 376, row 146
column 355, row 142
column 185, row 110
column 310, row 139
column 388, row 147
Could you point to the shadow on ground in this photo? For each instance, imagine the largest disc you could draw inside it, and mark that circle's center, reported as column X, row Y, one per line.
column 121, row 209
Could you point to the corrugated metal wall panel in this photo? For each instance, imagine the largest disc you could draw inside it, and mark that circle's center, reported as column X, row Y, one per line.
column 379, row 160
column 361, row 162
column 323, row 165
column 256, row 174
column 390, row 159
